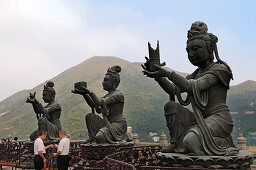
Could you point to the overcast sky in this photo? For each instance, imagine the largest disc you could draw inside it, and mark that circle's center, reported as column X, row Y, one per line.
column 41, row 38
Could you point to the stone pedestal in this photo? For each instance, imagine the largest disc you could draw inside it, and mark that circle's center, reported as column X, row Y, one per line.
column 96, row 151
column 241, row 161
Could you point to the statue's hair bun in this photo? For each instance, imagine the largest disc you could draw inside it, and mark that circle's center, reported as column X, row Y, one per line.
column 50, row 84
column 116, row 68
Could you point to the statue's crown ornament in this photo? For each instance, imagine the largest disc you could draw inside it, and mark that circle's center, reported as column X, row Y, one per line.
column 199, row 30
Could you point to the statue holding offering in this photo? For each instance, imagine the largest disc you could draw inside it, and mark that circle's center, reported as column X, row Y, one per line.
column 48, row 116
column 206, row 130
column 112, row 127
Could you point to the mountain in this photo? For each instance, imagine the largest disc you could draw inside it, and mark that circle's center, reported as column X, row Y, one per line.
column 144, row 100
column 242, row 97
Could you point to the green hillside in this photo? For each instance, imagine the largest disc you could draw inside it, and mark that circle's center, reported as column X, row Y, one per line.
column 242, row 97
column 144, row 100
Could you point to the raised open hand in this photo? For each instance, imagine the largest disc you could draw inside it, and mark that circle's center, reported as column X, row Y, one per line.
column 160, row 72
column 31, row 98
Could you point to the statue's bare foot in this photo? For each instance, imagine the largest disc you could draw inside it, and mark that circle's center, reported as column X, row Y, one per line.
column 89, row 140
column 168, row 149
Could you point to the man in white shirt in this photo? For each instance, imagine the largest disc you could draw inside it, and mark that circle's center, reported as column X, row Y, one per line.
column 39, row 150
column 63, row 151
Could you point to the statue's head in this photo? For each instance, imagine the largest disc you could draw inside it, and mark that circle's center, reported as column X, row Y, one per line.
column 112, row 78
column 49, row 92
column 200, row 44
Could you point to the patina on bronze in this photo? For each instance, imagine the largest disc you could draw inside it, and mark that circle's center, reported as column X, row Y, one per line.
column 207, row 130
column 112, row 127
column 48, row 116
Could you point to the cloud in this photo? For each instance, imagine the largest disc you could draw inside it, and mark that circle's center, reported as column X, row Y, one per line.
column 29, row 33
column 41, row 38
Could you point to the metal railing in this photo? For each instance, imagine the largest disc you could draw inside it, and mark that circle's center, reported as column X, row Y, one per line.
column 21, row 155
column 136, row 158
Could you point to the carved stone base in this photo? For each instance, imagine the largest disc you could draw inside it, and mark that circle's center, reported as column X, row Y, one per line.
column 109, row 145
column 241, row 161
column 99, row 151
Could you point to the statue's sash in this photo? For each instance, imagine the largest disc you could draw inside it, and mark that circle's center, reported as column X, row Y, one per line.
column 105, row 112
column 198, row 102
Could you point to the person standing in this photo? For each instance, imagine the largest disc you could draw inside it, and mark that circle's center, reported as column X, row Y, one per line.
column 7, row 140
column 39, row 150
column 16, row 140
column 63, row 151
column 15, row 143
column 3, row 141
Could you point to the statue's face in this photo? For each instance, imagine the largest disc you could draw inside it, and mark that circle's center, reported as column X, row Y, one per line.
column 198, row 53
column 47, row 97
column 108, row 83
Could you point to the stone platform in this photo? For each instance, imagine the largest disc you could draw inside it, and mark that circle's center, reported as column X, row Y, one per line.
column 241, row 161
column 100, row 151
column 96, row 145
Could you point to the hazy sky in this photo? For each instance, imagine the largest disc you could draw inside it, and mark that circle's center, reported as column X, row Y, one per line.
column 41, row 38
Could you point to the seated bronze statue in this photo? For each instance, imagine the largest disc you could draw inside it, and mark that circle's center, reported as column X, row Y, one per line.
column 112, row 127
column 48, row 117
column 206, row 130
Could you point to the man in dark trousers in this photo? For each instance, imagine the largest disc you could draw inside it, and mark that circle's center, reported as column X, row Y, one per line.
column 39, row 150
column 63, row 151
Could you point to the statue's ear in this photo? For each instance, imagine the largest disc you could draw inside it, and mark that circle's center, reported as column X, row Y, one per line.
column 116, row 83
column 45, row 87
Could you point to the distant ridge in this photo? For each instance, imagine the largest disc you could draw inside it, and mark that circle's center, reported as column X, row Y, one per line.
column 248, row 85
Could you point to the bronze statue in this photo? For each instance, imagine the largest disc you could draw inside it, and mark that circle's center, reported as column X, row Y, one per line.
column 206, row 130
column 112, row 127
column 49, row 116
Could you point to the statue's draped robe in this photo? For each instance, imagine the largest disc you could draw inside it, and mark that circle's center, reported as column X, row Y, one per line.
column 52, row 119
column 114, row 102
column 209, row 92
column 50, row 122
